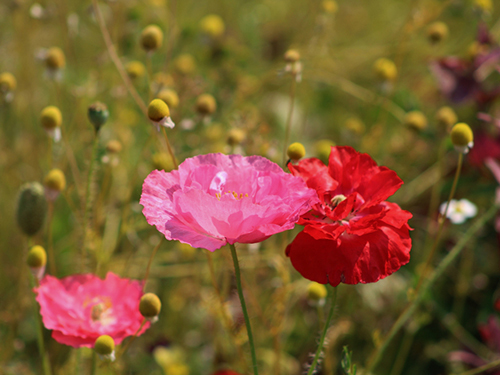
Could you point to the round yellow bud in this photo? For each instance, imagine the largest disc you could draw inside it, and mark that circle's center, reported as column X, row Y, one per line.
column 104, row 345
column 162, row 161
column 235, row 136
column 51, row 117
column 385, row 69
column 185, row 64
column 212, row 25
column 151, row 38
column 316, row 291
column 330, row 6
column 296, row 151
column 461, row 135
column 292, row 56
column 150, row 305
column 161, row 80
column 170, row 97
column 437, row 32
column 113, row 146
column 214, row 132
column 416, row 120
column 157, row 110
column 54, row 59
column 8, row 82
column 205, row 104
column 37, row 257
column 323, row 148
column 55, row 180
column 135, row 69
column 354, row 125
column 446, row 117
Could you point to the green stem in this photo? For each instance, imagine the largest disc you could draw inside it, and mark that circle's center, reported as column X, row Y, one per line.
column 50, row 247
column 244, row 308
column 288, row 125
column 148, row 269
column 481, row 369
column 169, row 148
column 131, row 340
column 441, row 220
column 323, row 335
column 445, row 263
column 89, row 196
column 39, row 334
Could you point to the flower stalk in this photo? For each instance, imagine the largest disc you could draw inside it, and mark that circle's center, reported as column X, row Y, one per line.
column 244, row 308
column 325, row 331
column 441, row 221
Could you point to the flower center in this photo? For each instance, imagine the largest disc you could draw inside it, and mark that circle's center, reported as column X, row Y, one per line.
column 101, row 310
column 337, row 199
column 235, row 195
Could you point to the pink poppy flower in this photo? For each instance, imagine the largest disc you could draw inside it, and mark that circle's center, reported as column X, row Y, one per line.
column 216, row 199
column 80, row 308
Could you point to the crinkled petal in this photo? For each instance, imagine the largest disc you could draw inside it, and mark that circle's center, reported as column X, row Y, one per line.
column 351, row 259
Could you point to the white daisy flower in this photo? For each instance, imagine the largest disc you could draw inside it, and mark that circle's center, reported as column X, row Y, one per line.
column 459, row 210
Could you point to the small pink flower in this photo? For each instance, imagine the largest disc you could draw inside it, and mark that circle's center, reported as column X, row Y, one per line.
column 80, row 308
column 215, row 199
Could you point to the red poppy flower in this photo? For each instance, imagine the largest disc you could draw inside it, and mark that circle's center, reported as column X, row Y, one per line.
column 353, row 235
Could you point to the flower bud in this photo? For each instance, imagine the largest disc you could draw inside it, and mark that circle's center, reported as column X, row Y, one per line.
column 322, row 149
column 170, row 97
column 296, row 151
column 235, row 137
column 416, row 120
column 51, row 117
column 159, row 114
column 385, row 69
column 462, row 137
column 292, row 56
column 151, row 38
column 37, row 260
column 54, row 59
column 212, row 25
column 316, row 291
column 437, row 31
column 162, row 161
column 205, row 104
column 8, row 82
column 446, row 118
column 98, row 114
column 54, row 182
column 330, row 6
column 113, row 146
column 355, row 125
column 31, row 208
column 105, row 347
column 135, row 69
column 37, row 257
column 150, row 306
column 185, row 64
column 157, row 110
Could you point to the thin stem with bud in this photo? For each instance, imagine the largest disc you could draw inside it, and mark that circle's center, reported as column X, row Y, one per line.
column 325, row 331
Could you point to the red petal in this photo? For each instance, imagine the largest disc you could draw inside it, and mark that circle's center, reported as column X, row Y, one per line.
column 359, row 172
column 315, row 173
column 351, row 259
